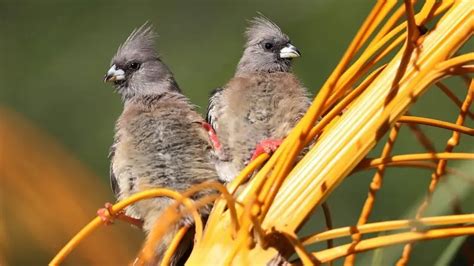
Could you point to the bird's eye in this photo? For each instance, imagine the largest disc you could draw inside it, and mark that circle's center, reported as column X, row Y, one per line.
column 134, row 66
column 268, row 46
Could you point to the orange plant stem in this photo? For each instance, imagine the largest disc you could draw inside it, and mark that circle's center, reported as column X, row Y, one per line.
column 383, row 241
column 447, row 220
column 374, row 187
column 415, row 157
column 97, row 222
column 352, row 136
column 436, row 123
column 440, row 169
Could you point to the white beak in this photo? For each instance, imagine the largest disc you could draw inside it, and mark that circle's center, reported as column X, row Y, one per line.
column 289, row 51
column 114, row 74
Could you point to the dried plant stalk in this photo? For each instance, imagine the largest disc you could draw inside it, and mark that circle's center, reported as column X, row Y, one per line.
column 260, row 221
column 374, row 187
column 383, row 241
column 343, row 144
column 440, row 169
column 389, row 226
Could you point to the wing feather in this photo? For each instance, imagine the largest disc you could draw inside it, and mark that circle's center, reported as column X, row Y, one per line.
column 212, row 115
column 113, row 179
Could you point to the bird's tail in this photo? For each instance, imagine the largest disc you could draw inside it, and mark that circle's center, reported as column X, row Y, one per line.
column 182, row 252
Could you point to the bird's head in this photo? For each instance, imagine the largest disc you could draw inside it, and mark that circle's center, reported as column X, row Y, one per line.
column 136, row 69
column 267, row 49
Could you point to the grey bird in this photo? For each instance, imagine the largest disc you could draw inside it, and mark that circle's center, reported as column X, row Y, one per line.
column 257, row 108
column 160, row 140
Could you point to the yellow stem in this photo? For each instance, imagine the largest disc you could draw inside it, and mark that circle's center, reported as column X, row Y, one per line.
column 387, row 226
column 97, row 222
column 415, row 157
column 437, row 123
column 383, row 241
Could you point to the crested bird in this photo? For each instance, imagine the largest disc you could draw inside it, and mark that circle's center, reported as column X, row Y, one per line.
column 160, row 140
column 256, row 109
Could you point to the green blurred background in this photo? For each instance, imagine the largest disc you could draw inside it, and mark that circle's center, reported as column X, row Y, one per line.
column 54, row 55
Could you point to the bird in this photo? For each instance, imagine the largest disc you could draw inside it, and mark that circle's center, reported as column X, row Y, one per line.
column 160, row 140
column 256, row 109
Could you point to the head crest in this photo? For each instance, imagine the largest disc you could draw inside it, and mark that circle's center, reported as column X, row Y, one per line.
column 261, row 28
column 140, row 41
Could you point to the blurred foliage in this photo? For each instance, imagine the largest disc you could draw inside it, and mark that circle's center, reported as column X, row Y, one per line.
column 48, row 196
column 55, row 54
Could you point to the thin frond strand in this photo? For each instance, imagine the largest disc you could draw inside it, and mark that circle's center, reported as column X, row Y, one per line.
column 394, row 239
column 440, row 169
column 366, row 163
column 97, row 222
column 378, row 227
column 374, row 187
column 437, row 123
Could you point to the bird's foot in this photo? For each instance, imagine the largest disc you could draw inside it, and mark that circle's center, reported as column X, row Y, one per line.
column 107, row 216
column 212, row 136
column 266, row 146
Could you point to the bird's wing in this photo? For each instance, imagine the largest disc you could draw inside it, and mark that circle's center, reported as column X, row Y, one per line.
column 212, row 108
column 113, row 179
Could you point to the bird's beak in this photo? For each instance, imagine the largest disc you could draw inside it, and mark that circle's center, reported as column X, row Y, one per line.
column 114, row 74
column 289, row 51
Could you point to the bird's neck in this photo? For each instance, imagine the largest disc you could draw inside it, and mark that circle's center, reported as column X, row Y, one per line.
column 151, row 89
column 246, row 67
column 150, row 101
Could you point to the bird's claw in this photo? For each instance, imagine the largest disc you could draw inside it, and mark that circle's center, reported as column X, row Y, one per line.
column 266, row 146
column 107, row 216
column 212, row 136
